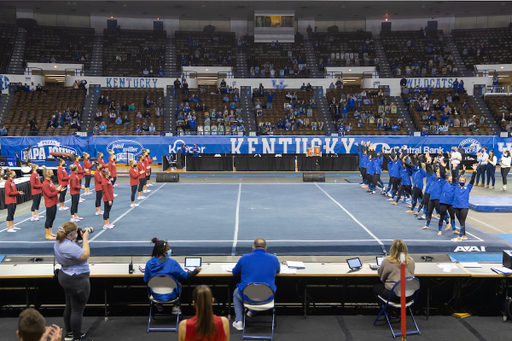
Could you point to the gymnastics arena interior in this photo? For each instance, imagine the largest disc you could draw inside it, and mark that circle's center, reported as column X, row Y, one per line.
column 263, row 141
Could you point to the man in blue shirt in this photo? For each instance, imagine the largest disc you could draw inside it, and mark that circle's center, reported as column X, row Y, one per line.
column 270, row 97
column 255, row 267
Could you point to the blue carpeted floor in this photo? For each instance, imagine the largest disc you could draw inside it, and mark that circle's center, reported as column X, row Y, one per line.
column 225, row 218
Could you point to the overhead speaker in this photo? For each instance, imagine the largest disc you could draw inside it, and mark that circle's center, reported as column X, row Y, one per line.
column 313, row 177
column 167, row 177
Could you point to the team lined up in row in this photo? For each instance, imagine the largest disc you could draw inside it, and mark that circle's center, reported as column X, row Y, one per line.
column 105, row 176
column 445, row 188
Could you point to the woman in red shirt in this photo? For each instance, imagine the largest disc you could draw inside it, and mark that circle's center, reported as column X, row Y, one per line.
column 10, row 201
column 204, row 326
column 100, row 159
column 80, row 174
column 98, row 187
column 51, row 199
column 63, row 177
column 147, row 161
column 74, row 190
column 134, row 180
column 108, row 199
column 142, row 178
column 112, row 169
column 35, row 183
column 87, row 169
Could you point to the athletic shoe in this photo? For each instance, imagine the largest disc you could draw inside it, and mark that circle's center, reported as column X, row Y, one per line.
column 40, row 216
column 238, row 325
column 134, row 205
column 115, row 195
column 390, row 195
column 16, row 228
column 150, row 185
column 146, row 191
column 422, row 217
column 11, row 230
column 250, row 313
column 111, row 225
column 63, row 208
column 73, row 220
column 373, row 192
column 115, row 185
column 176, row 310
column 79, row 218
column 69, row 336
column 98, row 213
column 34, row 218
column 107, row 227
column 81, row 200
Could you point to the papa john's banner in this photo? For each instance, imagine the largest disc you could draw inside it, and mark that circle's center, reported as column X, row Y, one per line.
column 130, row 147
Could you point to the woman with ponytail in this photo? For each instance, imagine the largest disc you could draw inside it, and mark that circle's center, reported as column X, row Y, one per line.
column 147, row 161
column 204, row 325
column 87, row 169
column 100, row 160
column 108, row 199
column 11, row 198
column 51, row 199
column 36, row 188
column 163, row 265
column 112, row 168
column 142, row 178
column 134, row 181
column 74, row 190
column 80, row 174
column 63, row 177
column 98, row 187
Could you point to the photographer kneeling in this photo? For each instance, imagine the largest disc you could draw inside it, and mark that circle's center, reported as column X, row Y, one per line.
column 74, row 275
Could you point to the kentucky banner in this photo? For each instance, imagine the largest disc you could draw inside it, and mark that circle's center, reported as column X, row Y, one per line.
column 130, row 147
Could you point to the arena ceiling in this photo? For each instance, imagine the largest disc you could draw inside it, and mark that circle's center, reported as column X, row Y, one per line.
column 222, row 10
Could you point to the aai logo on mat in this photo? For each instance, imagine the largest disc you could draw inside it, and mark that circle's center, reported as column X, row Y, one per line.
column 471, row 146
column 4, row 82
column 43, row 149
column 126, row 149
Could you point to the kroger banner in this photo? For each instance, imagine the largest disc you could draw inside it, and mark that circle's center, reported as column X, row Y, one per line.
column 130, row 147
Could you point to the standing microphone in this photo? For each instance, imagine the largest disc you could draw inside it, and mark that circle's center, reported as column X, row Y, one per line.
column 130, row 266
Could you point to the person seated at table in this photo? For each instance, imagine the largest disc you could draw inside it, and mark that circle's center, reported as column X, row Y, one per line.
column 204, row 325
column 389, row 270
column 161, row 264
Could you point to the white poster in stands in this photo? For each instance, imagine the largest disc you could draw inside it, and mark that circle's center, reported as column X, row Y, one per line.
column 6, row 80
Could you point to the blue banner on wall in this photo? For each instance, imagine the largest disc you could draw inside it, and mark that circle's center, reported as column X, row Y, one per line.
column 130, row 147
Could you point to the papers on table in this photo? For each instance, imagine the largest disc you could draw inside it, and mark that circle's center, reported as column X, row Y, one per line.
column 501, row 270
column 296, row 265
column 447, row 267
column 285, row 270
column 228, row 268
column 470, row 264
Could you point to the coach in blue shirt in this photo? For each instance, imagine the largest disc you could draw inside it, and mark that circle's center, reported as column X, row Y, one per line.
column 255, row 267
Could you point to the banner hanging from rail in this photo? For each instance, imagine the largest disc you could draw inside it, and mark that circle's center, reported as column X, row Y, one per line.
column 130, row 147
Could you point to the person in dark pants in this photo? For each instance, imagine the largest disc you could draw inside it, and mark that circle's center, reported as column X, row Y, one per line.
column 87, row 169
column 134, row 181
column 141, row 167
column 505, row 168
column 108, row 199
column 73, row 276
column 461, row 199
column 51, row 199
column 36, row 189
column 481, row 158
column 11, row 199
column 74, row 190
column 63, row 177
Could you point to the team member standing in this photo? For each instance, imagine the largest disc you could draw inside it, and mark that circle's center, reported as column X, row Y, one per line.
column 108, row 199
column 87, row 169
column 256, row 267
column 112, row 168
column 491, row 169
column 148, row 160
column 74, row 190
column 461, row 201
column 11, row 198
column 80, row 174
column 406, row 185
column 35, row 183
column 456, row 158
column 435, row 188
column 98, row 187
column 134, row 181
column 505, row 168
column 51, row 199
column 100, row 160
column 142, row 177
column 418, row 174
column 446, row 199
column 63, row 177
column 481, row 159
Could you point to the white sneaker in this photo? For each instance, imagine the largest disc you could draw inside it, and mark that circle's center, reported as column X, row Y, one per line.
column 98, row 213
column 101, row 212
column 146, row 191
column 141, row 198
column 134, row 205
column 149, row 185
column 34, row 218
column 64, row 208
column 16, row 228
column 115, row 185
column 111, row 225
column 81, row 200
column 79, row 218
column 73, row 220
column 11, row 230
column 107, row 227
column 40, row 216
column 115, row 195
column 238, row 325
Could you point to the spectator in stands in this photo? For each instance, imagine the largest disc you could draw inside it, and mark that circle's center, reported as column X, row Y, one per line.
column 75, row 124
column 258, row 266
column 112, row 117
column 34, row 128
column 118, row 121
column 107, row 101
column 270, row 96
column 98, row 116
column 145, row 73
column 96, row 128
column 146, row 114
column 31, row 327
column 508, row 127
column 332, row 86
column 103, row 127
column 184, row 86
column 131, row 107
column 126, row 120
column 177, row 86
column 145, row 127
column 32, row 87
column 101, row 100
column 138, row 115
column 138, row 129
column 455, row 86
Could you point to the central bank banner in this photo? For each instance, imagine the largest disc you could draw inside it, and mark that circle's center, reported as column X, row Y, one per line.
column 126, row 148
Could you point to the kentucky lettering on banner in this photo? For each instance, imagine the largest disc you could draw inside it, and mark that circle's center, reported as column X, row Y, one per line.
column 130, row 147
column 127, row 82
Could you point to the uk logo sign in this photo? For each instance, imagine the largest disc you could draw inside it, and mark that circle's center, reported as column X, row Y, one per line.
column 4, row 82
